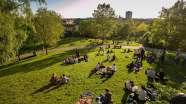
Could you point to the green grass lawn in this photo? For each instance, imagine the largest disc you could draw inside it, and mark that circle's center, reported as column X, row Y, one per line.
column 26, row 82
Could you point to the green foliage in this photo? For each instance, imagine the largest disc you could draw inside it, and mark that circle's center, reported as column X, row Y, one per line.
column 7, row 38
column 26, row 81
column 169, row 30
column 48, row 26
column 88, row 28
column 105, row 20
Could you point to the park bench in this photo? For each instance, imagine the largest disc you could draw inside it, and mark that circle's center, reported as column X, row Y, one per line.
column 117, row 46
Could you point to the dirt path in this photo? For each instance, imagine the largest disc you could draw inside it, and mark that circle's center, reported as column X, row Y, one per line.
column 80, row 47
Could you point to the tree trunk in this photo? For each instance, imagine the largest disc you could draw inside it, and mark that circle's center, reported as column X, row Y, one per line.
column 46, row 50
column 18, row 56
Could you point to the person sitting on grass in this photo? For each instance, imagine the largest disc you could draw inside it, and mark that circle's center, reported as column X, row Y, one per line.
column 130, row 66
column 54, row 79
column 113, row 69
column 64, row 79
column 107, row 57
column 113, row 58
column 151, row 74
column 85, row 57
column 108, row 97
column 152, row 93
column 150, row 58
column 76, row 60
column 142, row 94
column 129, row 85
column 136, row 67
column 179, row 98
column 97, row 54
column 131, row 99
column 98, row 66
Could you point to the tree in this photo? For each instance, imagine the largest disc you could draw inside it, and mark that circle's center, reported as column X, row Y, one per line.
column 7, row 38
column 169, row 30
column 48, row 26
column 127, row 29
column 12, row 27
column 105, row 20
column 88, row 28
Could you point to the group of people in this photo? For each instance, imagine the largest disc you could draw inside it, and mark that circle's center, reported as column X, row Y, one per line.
column 105, row 98
column 54, row 80
column 104, row 71
column 153, row 75
column 110, row 58
column 139, row 94
column 139, row 54
column 134, row 66
column 75, row 59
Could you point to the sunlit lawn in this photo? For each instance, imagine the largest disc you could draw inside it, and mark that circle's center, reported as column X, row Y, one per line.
column 20, row 82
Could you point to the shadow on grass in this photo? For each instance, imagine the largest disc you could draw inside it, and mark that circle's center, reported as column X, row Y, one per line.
column 47, row 88
column 107, row 78
column 43, row 88
column 69, row 40
column 176, row 73
column 124, row 98
column 39, row 64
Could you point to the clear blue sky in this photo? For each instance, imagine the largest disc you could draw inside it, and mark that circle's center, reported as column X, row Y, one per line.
column 84, row 8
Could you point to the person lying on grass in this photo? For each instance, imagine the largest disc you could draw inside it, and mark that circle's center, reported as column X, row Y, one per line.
column 54, row 79
column 64, row 79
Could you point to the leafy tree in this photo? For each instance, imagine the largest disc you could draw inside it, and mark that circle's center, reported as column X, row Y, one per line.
column 48, row 26
column 7, row 38
column 88, row 28
column 105, row 20
column 12, row 27
column 127, row 29
column 169, row 30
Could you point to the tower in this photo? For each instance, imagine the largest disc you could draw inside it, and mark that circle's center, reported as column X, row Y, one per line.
column 128, row 15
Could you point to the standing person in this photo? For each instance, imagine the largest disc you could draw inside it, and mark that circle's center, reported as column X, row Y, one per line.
column 142, row 53
column 85, row 57
column 163, row 55
column 77, row 53
column 108, row 97
column 177, row 57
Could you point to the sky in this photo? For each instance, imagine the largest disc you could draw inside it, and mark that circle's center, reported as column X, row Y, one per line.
column 85, row 8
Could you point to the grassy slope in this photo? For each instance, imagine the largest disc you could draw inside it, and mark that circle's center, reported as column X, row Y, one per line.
column 25, row 82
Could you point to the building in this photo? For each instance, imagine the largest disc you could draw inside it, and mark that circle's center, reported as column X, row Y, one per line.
column 70, row 25
column 128, row 15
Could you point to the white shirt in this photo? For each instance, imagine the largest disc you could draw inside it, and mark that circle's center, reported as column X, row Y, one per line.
column 151, row 73
column 113, row 68
column 142, row 95
column 97, row 66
